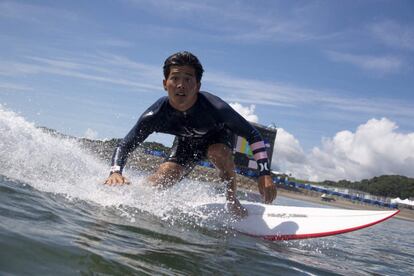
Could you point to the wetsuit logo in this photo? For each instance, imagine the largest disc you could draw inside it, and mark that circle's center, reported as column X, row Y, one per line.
column 263, row 166
column 191, row 132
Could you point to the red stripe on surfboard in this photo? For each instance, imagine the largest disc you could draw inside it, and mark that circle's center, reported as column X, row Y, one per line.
column 323, row 234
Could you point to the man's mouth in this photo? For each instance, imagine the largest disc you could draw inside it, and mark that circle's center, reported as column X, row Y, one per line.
column 181, row 94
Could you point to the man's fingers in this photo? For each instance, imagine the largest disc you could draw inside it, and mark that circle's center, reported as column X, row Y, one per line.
column 273, row 193
column 261, row 190
column 270, row 194
column 116, row 180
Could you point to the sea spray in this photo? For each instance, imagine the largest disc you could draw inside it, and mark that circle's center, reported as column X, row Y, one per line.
column 59, row 165
column 39, row 159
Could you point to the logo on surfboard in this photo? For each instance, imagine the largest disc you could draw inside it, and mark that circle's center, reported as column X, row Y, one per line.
column 285, row 215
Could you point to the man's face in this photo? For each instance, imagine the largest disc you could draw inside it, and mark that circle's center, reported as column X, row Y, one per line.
column 182, row 87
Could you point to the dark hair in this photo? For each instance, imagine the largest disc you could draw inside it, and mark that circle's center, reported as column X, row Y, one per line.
column 181, row 59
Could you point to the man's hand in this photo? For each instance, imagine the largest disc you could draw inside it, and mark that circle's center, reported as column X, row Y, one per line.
column 116, row 179
column 267, row 189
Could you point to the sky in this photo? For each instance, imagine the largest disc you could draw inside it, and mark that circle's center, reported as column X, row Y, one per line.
column 335, row 77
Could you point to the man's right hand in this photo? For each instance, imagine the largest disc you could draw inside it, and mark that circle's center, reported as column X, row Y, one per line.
column 116, row 179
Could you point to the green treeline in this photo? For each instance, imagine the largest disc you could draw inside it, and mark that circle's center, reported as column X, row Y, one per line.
column 386, row 185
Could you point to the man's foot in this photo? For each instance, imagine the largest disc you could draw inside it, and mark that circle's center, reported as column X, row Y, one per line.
column 236, row 209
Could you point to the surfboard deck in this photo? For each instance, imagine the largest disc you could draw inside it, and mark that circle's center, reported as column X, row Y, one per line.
column 275, row 222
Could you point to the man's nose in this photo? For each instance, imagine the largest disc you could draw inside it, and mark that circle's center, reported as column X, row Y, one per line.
column 180, row 84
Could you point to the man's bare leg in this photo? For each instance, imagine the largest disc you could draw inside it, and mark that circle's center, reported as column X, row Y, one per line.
column 222, row 158
column 167, row 175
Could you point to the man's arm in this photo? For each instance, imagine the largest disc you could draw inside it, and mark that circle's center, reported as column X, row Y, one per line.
column 266, row 187
column 143, row 128
column 135, row 137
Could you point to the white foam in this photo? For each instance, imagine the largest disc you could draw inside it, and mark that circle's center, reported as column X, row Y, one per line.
column 60, row 165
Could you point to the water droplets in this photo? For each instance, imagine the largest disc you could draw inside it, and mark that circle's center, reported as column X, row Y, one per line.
column 59, row 165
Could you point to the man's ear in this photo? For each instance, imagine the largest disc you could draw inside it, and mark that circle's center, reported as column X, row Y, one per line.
column 199, row 85
column 164, row 83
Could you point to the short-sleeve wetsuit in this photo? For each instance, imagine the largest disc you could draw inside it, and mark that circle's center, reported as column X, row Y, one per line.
column 209, row 121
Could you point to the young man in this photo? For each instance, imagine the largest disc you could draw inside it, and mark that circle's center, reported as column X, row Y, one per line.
column 203, row 125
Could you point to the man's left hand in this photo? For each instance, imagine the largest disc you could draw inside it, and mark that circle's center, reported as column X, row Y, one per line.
column 267, row 189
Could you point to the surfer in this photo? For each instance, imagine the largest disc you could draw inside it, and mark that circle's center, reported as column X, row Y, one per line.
column 204, row 126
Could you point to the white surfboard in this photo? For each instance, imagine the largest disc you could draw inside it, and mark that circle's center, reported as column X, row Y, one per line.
column 275, row 222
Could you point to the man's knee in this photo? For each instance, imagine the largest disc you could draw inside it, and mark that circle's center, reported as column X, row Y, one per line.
column 170, row 166
column 222, row 158
column 219, row 152
column 167, row 174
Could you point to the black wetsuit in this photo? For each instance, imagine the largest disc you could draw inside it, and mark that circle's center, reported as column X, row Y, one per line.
column 209, row 121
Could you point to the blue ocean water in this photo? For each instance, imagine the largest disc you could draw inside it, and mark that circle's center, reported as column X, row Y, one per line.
column 56, row 218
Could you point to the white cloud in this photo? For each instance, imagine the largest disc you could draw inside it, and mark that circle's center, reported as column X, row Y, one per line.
column 375, row 148
column 380, row 64
column 253, row 91
column 90, row 134
column 288, row 155
column 394, row 34
column 7, row 86
column 246, row 111
column 104, row 68
column 247, row 22
column 35, row 14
